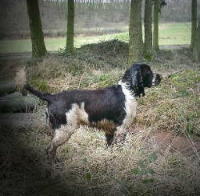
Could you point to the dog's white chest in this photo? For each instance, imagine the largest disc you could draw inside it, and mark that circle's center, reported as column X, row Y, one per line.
column 130, row 105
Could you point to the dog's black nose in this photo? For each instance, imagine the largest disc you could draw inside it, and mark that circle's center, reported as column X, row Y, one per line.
column 156, row 79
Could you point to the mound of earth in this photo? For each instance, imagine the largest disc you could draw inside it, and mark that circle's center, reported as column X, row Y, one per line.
column 109, row 48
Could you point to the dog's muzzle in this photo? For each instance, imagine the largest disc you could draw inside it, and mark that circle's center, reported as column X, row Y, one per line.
column 156, row 79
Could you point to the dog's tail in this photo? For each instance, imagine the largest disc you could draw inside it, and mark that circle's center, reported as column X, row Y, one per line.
column 44, row 96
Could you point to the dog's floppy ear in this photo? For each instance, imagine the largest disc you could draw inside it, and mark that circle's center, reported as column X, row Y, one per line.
column 137, row 81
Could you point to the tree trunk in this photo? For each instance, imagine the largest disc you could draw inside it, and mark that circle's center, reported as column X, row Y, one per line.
column 135, row 32
column 196, row 48
column 37, row 37
column 148, row 30
column 156, row 12
column 194, row 22
column 70, row 26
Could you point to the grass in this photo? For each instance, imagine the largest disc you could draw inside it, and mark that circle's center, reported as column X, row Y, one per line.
column 170, row 34
column 175, row 34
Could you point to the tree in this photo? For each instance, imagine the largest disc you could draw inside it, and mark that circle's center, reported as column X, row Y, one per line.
column 156, row 12
column 148, row 29
column 158, row 4
column 196, row 47
column 37, row 37
column 70, row 26
column 135, row 32
column 194, row 22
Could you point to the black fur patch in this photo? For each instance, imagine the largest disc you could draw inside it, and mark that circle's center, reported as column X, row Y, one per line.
column 107, row 103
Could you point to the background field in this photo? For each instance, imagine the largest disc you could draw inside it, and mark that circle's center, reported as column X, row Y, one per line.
column 170, row 34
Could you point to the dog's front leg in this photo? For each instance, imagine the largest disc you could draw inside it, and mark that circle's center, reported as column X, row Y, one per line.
column 120, row 135
column 109, row 138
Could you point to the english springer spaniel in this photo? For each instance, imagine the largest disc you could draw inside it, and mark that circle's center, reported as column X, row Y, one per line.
column 111, row 109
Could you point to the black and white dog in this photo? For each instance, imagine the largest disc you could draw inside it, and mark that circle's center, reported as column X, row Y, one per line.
column 111, row 109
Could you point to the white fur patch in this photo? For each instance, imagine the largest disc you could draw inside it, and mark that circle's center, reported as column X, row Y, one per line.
column 130, row 105
column 71, row 116
column 76, row 116
column 82, row 114
column 154, row 80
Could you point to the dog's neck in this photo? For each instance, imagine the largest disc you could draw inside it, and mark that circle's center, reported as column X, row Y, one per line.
column 126, row 88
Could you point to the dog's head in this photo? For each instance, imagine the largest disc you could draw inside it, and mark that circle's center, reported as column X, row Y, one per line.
column 140, row 76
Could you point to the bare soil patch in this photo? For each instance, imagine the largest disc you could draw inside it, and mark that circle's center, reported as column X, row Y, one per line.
column 187, row 145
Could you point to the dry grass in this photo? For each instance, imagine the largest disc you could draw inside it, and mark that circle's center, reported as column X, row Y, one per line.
column 86, row 166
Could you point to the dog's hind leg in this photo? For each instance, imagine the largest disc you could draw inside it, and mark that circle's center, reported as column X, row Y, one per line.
column 61, row 136
column 64, row 132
